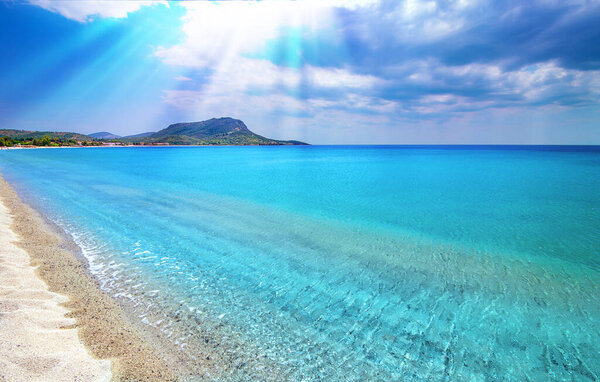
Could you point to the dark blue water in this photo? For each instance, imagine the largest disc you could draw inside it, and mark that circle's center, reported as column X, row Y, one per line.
column 343, row 263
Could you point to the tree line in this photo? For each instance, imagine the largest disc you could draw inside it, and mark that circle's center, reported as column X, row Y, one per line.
column 46, row 140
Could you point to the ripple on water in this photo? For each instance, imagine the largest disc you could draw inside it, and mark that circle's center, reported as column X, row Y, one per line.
column 343, row 263
column 417, row 309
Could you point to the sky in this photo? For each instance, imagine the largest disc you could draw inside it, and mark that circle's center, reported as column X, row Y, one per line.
column 319, row 71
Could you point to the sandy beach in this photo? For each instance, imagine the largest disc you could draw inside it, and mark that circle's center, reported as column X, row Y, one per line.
column 37, row 341
column 55, row 323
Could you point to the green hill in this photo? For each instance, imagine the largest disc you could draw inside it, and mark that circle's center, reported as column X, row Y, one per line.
column 104, row 135
column 9, row 138
column 216, row 131
column 29, row 135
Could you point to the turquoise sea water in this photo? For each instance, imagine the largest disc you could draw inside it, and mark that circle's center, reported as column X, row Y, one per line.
column 342, row 263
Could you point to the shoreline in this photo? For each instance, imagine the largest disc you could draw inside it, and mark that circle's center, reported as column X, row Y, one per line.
column 38, row 341
column 129, row 146
column 100, row 323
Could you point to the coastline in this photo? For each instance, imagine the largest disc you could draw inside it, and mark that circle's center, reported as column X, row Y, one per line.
column 101, row 325
column 37, row 341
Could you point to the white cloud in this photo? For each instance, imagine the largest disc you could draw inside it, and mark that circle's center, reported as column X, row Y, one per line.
column 84, row 11
column 427, row 20
column 354, row 103
column 248, row 85
column 542, row 82
column 493, row 87
column 349, row 4
column 340, row 78
column 411, row 9
column 447, row 103
column 217, row 32
column 242, row 74
column 226, row 101
column 198, row 102
column 220, row 36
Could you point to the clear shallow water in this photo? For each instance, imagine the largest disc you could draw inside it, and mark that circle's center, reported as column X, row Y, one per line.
column 343, row 263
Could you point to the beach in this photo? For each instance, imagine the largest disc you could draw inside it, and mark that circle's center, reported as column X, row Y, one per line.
column 55, row 323
column 37, row 341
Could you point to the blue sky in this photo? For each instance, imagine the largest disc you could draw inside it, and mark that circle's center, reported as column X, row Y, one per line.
column 358, row 71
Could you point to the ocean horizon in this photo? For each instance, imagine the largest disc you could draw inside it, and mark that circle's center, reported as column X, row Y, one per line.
column 389, row 262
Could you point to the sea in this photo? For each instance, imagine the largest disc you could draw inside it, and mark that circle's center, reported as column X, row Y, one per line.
column 341, row 263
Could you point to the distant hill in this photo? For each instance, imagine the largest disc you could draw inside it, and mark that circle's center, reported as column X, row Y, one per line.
column 26, row 134
column 141, row 135
column 215, row 131
column 104, row 135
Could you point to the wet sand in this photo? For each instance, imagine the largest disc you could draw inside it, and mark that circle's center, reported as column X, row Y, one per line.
column 44, row 325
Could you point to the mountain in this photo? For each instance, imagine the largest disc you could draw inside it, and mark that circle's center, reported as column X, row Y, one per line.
column 205, row 129
column 141, row 135
column 104, row 135
column 215, row 131
column 28, row 135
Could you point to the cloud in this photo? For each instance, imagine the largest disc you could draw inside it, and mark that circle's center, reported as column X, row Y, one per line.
column 245, row 74
column 217, row 32
column 406, row 61
column 261, row 85
column 220, row 39
column 431, row 89
column 339, row 78
column 198, row 103
column 84, row 11
column 484, row 31
column 223, row 102
column 182, row 78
